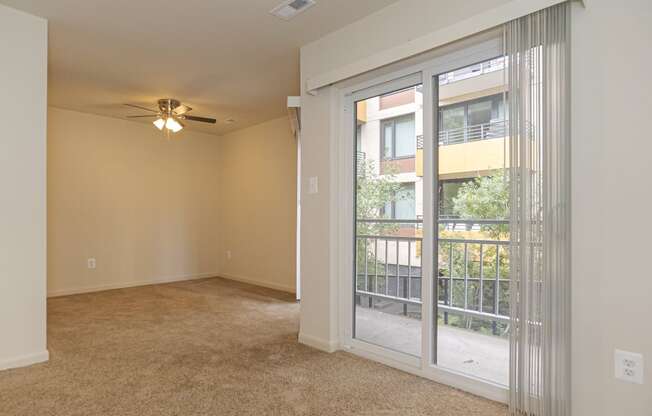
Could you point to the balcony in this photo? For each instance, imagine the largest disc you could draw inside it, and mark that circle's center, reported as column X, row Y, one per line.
column 472, row 293
column 484, row 131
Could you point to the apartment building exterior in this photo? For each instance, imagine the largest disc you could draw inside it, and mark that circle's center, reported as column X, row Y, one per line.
column 471, row 135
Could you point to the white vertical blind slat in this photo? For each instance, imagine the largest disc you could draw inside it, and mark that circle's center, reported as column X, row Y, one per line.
column 537, row 49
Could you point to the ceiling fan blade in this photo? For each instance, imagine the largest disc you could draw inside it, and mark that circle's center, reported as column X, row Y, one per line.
column 202, row 119
column 149, row 115
column 182, row 109
column 142, row 108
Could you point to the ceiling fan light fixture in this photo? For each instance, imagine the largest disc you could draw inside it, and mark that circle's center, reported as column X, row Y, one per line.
column 170, row 115
column 159, row 123
column 173, row 125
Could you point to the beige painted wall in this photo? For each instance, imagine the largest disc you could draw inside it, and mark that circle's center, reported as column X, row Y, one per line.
column 258, row 209
column 23, row 88
column 144, row 207
column 611, row 104
column 612, row 152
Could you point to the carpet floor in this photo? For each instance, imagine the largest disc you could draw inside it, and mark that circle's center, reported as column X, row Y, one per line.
column 207, row 347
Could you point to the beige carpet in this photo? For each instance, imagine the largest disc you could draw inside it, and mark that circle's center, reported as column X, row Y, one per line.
column 207, row 347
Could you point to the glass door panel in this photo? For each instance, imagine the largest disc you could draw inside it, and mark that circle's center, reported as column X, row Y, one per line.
column 472, row 262
column 388, row 226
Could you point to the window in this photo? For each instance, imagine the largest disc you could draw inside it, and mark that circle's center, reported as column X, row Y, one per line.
column 403, row 207
column 483, row 118
column 398, row 137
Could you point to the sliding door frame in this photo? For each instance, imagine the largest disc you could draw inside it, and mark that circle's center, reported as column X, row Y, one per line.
column 343, row 104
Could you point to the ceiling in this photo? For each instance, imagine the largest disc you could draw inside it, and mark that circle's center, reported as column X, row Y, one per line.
column 229, row 59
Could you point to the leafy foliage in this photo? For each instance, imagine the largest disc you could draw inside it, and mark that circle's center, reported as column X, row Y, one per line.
column 487, row 197
column 374, row 191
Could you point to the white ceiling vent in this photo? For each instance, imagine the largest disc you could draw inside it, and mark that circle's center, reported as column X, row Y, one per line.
column 290, row 8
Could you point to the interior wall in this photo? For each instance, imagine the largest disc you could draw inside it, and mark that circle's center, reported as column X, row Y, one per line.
column 23, row 83
column 612, row 103
column 146, row 208
column 611, row 92
column 258, row 212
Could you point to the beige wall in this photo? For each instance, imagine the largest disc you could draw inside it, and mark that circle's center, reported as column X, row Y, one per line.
column 258, row 209
column 611, row 104
column 23, row 88
column 612, row 152
column 144, row 207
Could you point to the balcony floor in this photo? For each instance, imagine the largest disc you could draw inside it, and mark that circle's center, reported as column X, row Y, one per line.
column 465, row 351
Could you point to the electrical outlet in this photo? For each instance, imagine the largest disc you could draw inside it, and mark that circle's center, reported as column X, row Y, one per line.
column 92, row 263
column 629, row 366
column 228, row 254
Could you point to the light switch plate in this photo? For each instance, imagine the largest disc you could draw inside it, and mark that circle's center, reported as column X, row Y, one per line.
column 628, row 366
column 313, row 185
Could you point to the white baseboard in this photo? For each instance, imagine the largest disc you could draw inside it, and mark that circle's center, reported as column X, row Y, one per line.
column 318, row 343
column 255, row 282
column 24, row 360
column 110, row 286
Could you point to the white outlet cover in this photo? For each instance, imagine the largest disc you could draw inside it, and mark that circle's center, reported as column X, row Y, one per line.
column 628, row 366
column 91, row 263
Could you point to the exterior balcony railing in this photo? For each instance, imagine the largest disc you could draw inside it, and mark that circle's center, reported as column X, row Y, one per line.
column 484, row 131
column 360, row 159
column 473, row 71
column 472, row 274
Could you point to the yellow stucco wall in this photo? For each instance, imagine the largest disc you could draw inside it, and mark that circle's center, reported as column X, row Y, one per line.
column 468, row 159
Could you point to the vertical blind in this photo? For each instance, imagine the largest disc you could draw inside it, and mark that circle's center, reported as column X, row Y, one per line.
column 537, row 51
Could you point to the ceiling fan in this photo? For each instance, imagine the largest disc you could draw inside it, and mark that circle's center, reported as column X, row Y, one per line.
column 170, row 115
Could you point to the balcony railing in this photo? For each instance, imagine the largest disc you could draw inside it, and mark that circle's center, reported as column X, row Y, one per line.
column 472, row 71
column 484, row 131
column 472, row 274
column 360, row 158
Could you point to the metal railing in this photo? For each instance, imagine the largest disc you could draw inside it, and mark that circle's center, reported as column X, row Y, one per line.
column 472, row 277
column 484, row 131
column 360, row 158
column 472, row 71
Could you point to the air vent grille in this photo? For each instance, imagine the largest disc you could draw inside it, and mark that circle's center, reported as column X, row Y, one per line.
column 290, row 8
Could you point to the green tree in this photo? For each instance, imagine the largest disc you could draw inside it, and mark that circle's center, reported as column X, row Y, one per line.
column 374, row 192
column 486, row 197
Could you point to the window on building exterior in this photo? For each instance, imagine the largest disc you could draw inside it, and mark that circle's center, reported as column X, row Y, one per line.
column 398, row 137
column 478, row 119
column 404, row 205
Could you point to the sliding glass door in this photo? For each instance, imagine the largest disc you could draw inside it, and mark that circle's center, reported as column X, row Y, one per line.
column 471, row 284
column 388, row 225
column 430, row 255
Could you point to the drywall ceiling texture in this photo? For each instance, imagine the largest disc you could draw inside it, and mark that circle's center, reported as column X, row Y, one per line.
column 144, row 207
column 23, row 82
column 225, row 58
